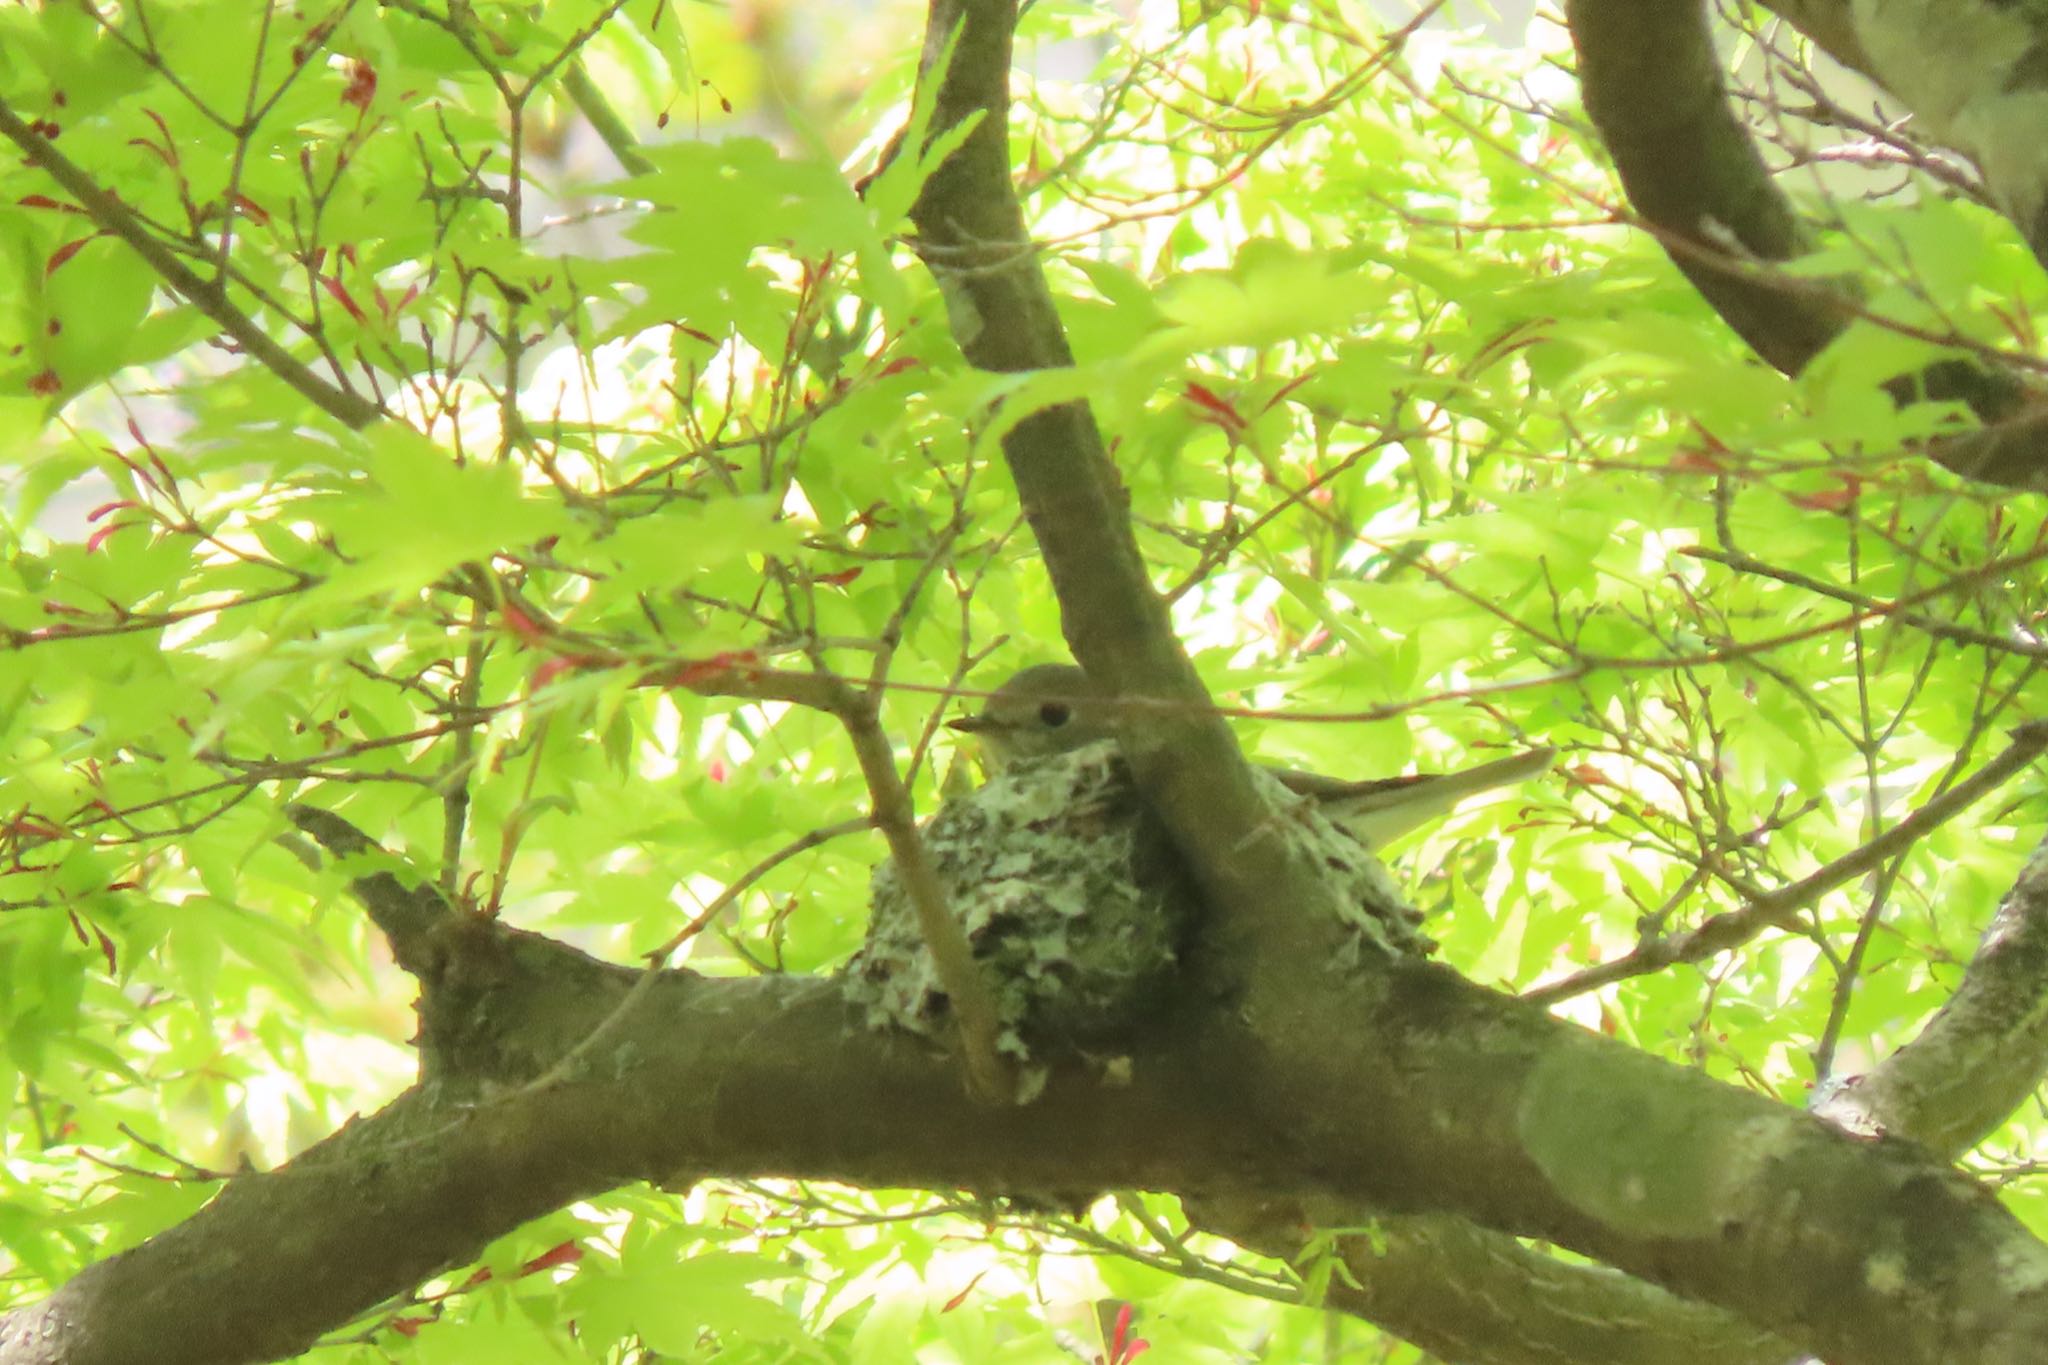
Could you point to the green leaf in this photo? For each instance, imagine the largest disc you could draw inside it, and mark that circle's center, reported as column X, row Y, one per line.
column 417, row 514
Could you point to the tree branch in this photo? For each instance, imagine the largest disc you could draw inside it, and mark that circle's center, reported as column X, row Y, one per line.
column 1470, row 1295
column 1776, row 908
column 1984, row 1051
column 1428, row 1094
column 209, row 297
column 1653, row 86
column 971, row 233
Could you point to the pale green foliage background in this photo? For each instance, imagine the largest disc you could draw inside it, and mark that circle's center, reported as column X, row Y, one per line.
column 1406, row 423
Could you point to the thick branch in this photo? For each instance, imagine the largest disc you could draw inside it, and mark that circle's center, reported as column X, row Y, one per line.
column 1653, row 87
column 764, row 1077
column 1469, row 1295
column 972, row 234
column 1828, row 25
column 1429, row 1094
column 1652, row 84
column 1975, row 73
column 1983, row 1053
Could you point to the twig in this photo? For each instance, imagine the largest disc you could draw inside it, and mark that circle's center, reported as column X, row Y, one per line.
column 351, row 410
column 1775, row 909
column 604, row 120
column 453, row 780
column 990, row 1077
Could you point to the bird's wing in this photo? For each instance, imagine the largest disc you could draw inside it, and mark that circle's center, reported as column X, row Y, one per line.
column 1381, row 809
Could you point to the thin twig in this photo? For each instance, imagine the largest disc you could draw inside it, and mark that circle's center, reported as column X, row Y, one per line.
column 350, row 409
column 989, row 1075
column 1777, row 909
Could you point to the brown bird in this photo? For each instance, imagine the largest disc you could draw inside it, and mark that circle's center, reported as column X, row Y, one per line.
column 1054, row 708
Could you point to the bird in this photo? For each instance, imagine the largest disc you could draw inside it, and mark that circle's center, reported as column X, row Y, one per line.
column 1050, row 709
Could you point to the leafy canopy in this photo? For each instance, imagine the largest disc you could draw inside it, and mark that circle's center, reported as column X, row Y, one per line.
column 1408, row 424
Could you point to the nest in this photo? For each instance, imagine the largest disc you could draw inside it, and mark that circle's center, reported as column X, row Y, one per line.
column 1077, row 906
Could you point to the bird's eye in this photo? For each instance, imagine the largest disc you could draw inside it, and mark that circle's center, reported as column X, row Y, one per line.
column 1055, row 714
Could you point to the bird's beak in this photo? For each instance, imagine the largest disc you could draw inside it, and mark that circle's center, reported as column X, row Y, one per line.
column 972, row 725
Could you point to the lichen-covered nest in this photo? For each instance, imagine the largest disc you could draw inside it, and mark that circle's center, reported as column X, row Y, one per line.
column 1076, row 904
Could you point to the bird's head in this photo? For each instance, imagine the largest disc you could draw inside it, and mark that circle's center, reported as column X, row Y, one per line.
column 1044, row 710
